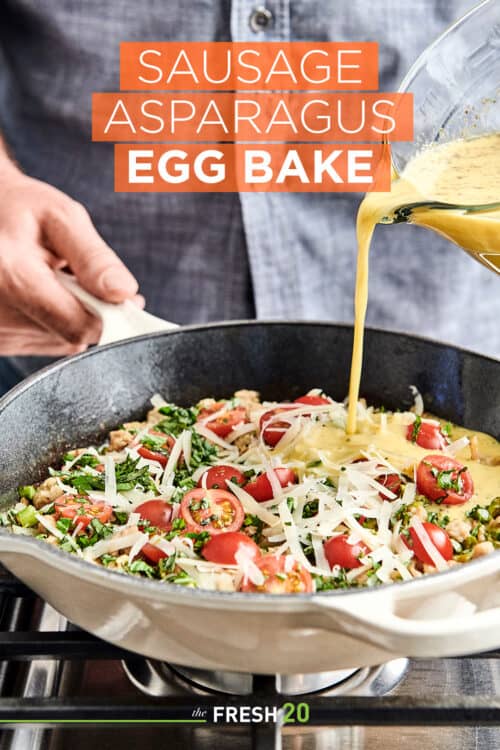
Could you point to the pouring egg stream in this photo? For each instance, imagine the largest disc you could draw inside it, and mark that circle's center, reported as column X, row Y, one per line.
column 451, row 188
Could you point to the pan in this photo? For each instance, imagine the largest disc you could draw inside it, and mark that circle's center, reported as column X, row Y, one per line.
column 76, row 401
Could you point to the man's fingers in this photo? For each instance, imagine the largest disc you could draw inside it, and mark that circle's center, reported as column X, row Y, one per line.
column 70, row 233
column 20, row 336
column 35, row 292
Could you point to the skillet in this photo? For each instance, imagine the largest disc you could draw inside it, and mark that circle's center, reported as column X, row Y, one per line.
column 78, row 400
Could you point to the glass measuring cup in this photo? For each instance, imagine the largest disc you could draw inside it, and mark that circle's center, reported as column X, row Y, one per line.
column 456, row 83
column 456, row 89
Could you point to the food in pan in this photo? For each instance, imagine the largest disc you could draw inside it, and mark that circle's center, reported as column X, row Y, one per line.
column 240, row 495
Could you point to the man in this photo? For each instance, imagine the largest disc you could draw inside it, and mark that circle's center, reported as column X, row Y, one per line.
column 197, row 257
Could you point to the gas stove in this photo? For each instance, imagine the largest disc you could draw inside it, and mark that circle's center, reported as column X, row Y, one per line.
column 62, row 688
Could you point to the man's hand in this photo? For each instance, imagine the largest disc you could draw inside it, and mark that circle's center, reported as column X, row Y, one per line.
column 42, row 229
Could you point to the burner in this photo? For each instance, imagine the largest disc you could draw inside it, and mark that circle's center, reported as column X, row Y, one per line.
column 159, row 679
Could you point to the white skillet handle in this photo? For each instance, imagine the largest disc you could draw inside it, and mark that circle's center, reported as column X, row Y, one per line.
column 118, row 321
column 439, row 621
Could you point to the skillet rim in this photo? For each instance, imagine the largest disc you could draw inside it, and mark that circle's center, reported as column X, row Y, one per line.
column 145, row 588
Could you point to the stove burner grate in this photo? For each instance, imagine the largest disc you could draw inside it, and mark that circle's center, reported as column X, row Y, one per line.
column 157, row 678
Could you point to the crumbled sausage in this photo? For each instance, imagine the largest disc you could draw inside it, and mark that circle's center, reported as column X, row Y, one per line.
column 47, row 492
column 248, row 399
column 459, row 530
column 118, row 439
column 134, row 426
column 483, row 548
column 244, row 442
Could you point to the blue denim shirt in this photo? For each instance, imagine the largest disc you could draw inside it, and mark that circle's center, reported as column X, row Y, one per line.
column 202, row 257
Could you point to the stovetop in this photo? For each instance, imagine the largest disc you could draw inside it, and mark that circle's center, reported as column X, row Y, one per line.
column 58, row 676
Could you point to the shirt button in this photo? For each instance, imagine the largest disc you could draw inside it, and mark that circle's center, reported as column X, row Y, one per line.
column 260, row 19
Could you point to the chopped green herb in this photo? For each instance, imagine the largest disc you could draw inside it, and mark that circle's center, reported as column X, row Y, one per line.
column 314, row 464
column 86, row 459
column 64, row 524
column 176, row 419
column 446, row 429
column 199, row 539
column 140, row 566
column 128, row 477
column 310, row 509
column 417, row 426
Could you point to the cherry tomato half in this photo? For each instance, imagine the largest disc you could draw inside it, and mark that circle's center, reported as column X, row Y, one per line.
column 278, row 579
column 313, row 400
column 439, row 539
column 392, row 482
column 338, row 551
column 442, row 478
column 216, row 511
column 260, row 488
column 157, row 512
column 223, row 547
column 426, row 435
column 215, row 478
column 273, row 432
column 225, row 422
column 81, row 510
column 160, row 455
column 152, row 553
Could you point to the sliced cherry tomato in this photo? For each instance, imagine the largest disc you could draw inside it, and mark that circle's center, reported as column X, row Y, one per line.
column 273, row 432
column 225, row 422
column 439, row 539
column 338, row 551
column 313, row 400
column 216, row 511
column 161, row 457
column 426, row 435
column 260, row 488
column 152, row 553
column 278, row 579
column 82, row 510
column 222, row 548
column 215, row 478
column 392, row 482
column 157, row 512
column 442, row 478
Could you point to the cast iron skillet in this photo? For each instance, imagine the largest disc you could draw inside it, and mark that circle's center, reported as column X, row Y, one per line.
column 78, row 400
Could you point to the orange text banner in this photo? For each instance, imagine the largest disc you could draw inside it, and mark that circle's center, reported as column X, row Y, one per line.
column 252, row 117
column 251, row 168
column 230, row 66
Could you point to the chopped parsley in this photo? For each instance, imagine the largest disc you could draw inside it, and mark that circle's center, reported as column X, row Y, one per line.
column 86, row 459
column 128, row 477
column 199, row 539
column 310, row 509
column 448, row 479
column 176, row 419
column 417, row 426
column 140, row 566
